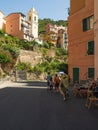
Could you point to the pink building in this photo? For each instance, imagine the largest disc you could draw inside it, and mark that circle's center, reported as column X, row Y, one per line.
column 51, row 28
column 57, row 34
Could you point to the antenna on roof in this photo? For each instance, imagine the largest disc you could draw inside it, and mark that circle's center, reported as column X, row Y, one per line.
column 68, row 11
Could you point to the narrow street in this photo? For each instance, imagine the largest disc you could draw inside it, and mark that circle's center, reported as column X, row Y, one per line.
column 30, row 106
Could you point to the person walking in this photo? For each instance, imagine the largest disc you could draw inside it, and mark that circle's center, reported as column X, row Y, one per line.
column 51, row 83
column 64, row 86
column 56, row 81
column 48, row 78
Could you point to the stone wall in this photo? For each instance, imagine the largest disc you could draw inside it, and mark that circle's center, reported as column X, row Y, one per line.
column 31, row 57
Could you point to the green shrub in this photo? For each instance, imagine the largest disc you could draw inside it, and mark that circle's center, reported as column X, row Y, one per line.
column 37, row 70
column 2, row 32
column 63, row 67
column 48, row 59
column 4, row 58
column 22, row 66
column 46, row 45
column 61, row 52
column 14, row 50
column 27, row 45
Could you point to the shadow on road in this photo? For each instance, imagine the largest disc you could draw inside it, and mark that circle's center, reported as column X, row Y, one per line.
column 34, row 83
column 38, row 109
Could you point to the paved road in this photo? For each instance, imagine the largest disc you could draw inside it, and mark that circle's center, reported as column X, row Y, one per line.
column 29, row 106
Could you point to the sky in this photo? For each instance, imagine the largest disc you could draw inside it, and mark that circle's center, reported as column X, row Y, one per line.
column 53, row 9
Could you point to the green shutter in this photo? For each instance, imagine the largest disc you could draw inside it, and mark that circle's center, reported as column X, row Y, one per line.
column 91, row 48
column 90, row 72
column 84, row 22
column 75, row 74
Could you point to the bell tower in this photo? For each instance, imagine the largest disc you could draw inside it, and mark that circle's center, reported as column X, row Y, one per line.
column 33, row 19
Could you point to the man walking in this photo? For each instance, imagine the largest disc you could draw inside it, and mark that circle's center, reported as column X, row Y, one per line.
column 49, row 77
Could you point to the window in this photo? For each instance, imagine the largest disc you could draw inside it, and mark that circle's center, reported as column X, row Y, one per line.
column 35, row 18
column 88, row 23
column 90, row 72
column 29, row 18
column 90, row 48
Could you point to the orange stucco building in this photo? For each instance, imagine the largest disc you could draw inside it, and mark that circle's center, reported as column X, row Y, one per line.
column 17, row 26
column 96, row 36
column 81, row 40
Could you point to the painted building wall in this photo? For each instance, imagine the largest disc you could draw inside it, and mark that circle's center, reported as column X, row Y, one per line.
column 18, row 26
column 51, row 28
column 2, row 21
column 62, row 40
column 13, row 25
column 76, row 5
column 78, row 40
column 96, row 36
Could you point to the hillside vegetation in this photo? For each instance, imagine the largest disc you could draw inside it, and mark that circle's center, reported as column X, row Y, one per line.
column 10, row 50
column 44, row 22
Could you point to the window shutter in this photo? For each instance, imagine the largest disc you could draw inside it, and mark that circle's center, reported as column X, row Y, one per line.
column 76, row 74
column 90, row 72
column 84, row 22
column 90, row 47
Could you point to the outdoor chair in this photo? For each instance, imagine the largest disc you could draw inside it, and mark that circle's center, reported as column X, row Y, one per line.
column 80, row 90
column 92, row 98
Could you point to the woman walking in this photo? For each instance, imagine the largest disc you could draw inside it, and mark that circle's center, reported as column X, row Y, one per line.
column 56, row 82
column 64, row 86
